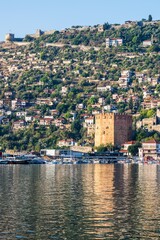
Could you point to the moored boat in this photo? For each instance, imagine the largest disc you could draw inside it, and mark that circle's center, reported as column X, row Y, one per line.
column 55, row 161
column 3, row 161
column 95, row 161
column 17, row 160
column 37, row 160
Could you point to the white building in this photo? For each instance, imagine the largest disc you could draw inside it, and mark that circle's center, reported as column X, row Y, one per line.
column 28, row 118
column 147, row 43
column 123, row 82
column 89, row 120
column 126, row 73
column 60, row 153
column 150, row 150
column 113, row 42
column 66, row 143
column 104, row 89
column 125, row 147
column 21, row 114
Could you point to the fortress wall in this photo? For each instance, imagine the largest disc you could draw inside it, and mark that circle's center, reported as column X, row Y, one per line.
column 112, row 128
column 123, row 128
column 104, row 129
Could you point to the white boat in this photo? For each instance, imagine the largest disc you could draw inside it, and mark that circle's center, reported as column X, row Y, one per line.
column 81, row 161
column 95, row 161
column 55, row 161
column 37, row 160
column 68, row 160
column 3, row 161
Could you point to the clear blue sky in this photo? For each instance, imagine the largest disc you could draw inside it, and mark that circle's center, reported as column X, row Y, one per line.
column 25, row 16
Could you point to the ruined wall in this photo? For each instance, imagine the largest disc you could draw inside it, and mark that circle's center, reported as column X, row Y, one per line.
column 9, row 37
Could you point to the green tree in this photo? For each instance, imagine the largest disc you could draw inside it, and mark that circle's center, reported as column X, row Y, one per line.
column 92, row 100
column 133, row 149
column 150, row 18
column 102, row 148
column 141, row 134
column 76, row 129
column 134, row 39
column 130, row 104
column 106, row 26
column 62, row 108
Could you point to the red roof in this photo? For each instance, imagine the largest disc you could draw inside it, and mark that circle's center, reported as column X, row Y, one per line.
column 130, row 142
column 123, row 151
column 151, row 141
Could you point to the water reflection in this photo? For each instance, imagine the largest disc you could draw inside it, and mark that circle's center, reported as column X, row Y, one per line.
column 80, row 202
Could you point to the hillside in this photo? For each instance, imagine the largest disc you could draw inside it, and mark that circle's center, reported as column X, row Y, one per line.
column 52, row 86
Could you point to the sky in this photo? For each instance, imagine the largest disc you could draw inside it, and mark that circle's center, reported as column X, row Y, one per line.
column 22, row 17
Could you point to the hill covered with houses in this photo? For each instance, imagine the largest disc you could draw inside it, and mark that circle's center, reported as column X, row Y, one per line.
column 53, row 83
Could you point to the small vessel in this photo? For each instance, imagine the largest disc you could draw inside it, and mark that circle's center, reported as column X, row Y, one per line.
column 37, row 160
column 95, row 161
column 3, row 161
column 103, row 161
column 81, row 161
column 67, row 160
column 56, row 161
column 16, row 160
column 22, row 159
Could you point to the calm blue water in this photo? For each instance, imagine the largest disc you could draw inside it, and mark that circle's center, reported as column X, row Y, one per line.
column 79, row 202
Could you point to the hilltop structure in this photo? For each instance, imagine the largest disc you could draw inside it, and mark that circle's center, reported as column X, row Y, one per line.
column 39, row 33
column 10, row 37
column 112, row 128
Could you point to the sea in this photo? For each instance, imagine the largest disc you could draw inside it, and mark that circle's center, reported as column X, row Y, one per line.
column 80, row 202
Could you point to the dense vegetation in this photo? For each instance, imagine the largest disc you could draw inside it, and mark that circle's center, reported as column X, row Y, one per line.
column 81, row 72
column 132, row 37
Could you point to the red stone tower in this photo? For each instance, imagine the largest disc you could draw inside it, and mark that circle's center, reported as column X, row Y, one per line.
column 112, row 128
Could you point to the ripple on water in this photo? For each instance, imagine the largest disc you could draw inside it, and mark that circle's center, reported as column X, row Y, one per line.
column 80, row 202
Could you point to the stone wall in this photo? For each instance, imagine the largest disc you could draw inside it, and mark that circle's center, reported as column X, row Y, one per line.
column 104, row 129
column 81, row 149
column 112, row 128
column 122, row 128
